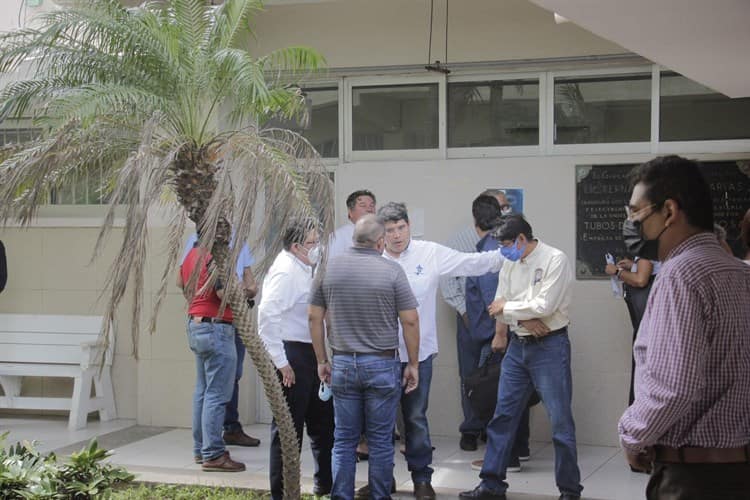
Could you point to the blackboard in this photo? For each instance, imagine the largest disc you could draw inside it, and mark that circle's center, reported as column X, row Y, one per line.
column 602, row 191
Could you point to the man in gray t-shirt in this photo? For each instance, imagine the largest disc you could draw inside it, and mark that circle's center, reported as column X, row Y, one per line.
column 365, row 296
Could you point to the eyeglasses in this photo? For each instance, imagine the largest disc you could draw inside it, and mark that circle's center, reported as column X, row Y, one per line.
column 633, row 214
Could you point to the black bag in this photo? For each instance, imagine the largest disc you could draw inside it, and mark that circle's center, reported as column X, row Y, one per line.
column 3, row 268
column 481, row 389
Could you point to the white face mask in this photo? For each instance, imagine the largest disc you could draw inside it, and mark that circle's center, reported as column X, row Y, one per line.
column 314, row 255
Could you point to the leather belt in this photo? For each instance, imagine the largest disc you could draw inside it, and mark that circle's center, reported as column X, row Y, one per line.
column 530, row 339
column 688, row 455
column 206, row 319
column 388, row 353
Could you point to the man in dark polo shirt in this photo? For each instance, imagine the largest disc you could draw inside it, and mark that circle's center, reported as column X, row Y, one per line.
column 365, row 296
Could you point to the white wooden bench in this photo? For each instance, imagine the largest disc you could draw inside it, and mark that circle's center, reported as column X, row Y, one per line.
column 45, row 345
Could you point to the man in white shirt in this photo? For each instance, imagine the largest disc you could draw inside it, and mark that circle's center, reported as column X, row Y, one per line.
column 532, row 299
column 358, row 203
column 424, row 262
column 233, row 432
column 468, row 350
column 283, row 326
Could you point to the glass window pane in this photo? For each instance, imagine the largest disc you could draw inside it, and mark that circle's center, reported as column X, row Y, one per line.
column 321, row 125
column 497, row 113
column 395, row 117
column 688, row 111
column 599, row 109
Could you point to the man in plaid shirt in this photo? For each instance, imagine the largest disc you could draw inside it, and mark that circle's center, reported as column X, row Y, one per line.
column 690, row 421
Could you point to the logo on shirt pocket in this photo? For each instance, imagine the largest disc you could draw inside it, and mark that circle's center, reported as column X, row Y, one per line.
column 538, row 273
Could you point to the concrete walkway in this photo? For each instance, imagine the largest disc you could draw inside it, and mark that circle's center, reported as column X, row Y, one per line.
column 165, row 455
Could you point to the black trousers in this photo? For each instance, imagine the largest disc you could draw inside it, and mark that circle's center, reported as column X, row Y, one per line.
column 307, row 410
column 699, row 482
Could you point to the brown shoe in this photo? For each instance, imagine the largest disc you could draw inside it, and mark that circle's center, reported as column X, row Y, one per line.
column 424, row 491
column 223, row 463
column 363, row 493
column 239, row 438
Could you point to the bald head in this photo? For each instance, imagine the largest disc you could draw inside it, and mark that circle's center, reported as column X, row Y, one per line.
column 368, row 231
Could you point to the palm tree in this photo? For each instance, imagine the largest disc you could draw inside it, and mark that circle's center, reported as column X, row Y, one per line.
column 161, row 99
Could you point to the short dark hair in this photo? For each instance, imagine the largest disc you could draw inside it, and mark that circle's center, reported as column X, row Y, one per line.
column 351, row 200
column 296, row 231
column 486, row 212
column 393, row 212
column 677, row 178
column 511, row 226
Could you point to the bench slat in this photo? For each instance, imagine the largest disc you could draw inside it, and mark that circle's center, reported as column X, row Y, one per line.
column 75, row 339
column 41, row 323
column 14, row 353
column 39, row 370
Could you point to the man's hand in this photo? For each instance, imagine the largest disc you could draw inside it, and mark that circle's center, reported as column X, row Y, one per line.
column 411, row 377
column 465, row 319
column 642, row 461
column 610, row 269
column 535, row 326
column 499, row 342
column 324, row 372
column 287, row 375
column 496, row 307
column 626, row 264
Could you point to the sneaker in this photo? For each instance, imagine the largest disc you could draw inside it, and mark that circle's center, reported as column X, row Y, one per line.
column 477, row 464
column 198, row 459
column 222, row 463
column 524, row 458
column 514, row 465
column 239, row 438
column 468, row 442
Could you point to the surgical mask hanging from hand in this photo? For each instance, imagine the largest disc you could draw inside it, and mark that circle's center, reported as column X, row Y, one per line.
column 513, row 253
column 636, row 243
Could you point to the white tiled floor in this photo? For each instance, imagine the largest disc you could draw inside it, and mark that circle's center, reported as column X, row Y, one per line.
column 167, row 457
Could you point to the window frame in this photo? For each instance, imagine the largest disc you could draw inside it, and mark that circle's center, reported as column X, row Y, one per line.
column 388, row 154
column 500, row 151
column 553, row 149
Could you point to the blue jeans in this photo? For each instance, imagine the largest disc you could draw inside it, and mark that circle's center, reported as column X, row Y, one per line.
column 215, row 366
column 544, row 365
column 364, row 384
column 232, row 417
column 414, row 408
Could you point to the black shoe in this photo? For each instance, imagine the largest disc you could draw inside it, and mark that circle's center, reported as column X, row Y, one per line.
column 569, row 496
column 481, row 493
column 320, row 491
column 424, row 491
column 468, row 442
column 483, row 436
column 364, row 492
column 514, row 465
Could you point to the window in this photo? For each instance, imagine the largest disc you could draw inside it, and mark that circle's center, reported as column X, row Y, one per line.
column 84, row 190
column 494, row 113
column 689, row 111
column 395, row 117
column 17, row 135
column 599, row 109
column 321, row 125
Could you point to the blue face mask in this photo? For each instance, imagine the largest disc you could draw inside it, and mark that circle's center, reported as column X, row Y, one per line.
column 513, row 253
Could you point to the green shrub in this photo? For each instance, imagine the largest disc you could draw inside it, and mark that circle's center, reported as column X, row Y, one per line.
column 27, row 474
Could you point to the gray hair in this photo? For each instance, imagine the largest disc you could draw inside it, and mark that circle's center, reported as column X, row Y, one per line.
column 368, row 230
column 393, row 212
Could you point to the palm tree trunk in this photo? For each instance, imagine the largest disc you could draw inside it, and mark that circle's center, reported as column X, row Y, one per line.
column 256, row 348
